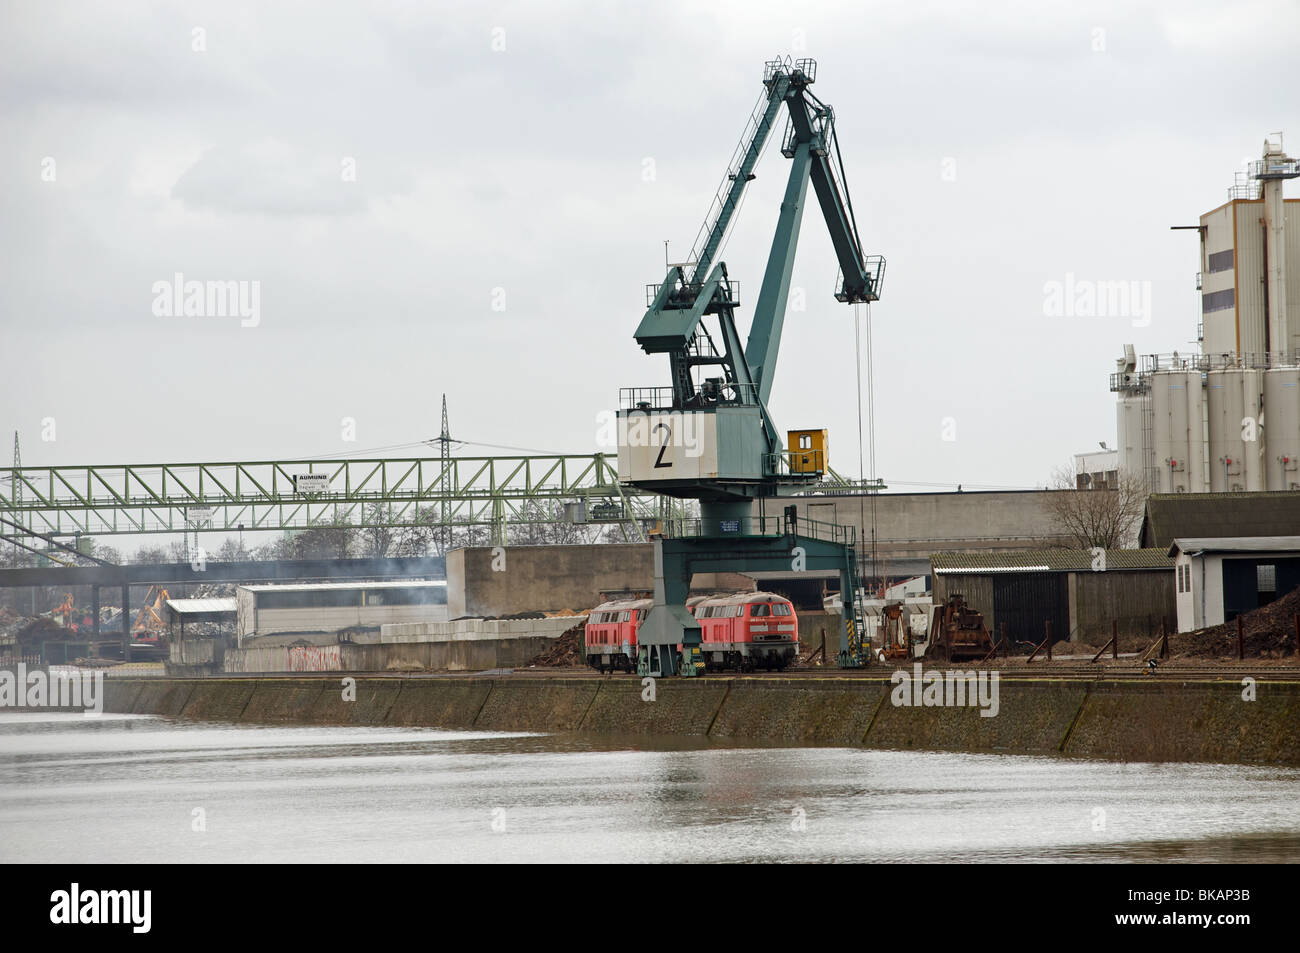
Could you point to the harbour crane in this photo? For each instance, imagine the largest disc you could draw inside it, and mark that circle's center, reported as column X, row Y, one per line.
column 709, row 436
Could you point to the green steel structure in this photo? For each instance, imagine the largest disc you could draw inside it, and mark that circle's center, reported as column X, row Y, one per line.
column 709, row 436
column 270, row 495
column 293, row 494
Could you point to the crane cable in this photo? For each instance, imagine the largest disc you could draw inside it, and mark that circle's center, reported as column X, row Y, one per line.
column 871, row 423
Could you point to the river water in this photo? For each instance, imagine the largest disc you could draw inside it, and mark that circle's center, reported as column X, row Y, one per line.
column 121, row 788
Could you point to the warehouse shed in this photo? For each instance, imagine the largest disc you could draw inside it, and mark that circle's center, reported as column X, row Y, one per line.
column 1080, row 593
column 325, row 608
column 1219, row 579
column 217, row 618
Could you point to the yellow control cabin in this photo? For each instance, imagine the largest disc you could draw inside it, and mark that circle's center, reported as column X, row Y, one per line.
column 808, row 450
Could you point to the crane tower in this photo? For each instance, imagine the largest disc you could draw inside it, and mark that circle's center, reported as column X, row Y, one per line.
column 709, row 435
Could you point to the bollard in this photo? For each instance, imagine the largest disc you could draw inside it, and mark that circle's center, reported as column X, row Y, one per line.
column 1241, row 639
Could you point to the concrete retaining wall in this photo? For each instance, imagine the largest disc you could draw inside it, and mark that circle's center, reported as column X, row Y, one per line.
column 543, row 577
column 461, row 656
column 1132, row 721
column 467, row 645
column 811, row 625
column 477, row 630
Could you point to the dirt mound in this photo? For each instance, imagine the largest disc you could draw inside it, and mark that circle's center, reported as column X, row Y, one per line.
column 566, row 651
column 42, row 629
column 511, row 617
column 1269, row 632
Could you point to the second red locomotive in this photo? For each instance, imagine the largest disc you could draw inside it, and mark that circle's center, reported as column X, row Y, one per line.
column 745, row 631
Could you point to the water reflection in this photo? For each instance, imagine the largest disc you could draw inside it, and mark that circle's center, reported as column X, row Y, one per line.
column 124, row 788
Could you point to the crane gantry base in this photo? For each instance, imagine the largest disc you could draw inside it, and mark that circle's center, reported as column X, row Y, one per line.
column 669, row 638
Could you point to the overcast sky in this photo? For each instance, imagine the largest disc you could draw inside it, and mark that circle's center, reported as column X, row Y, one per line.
column 496, row 238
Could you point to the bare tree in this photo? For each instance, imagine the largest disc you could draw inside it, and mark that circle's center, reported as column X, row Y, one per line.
column 423, row 537
column 377, row 536
column 152, row 555
column 537, row 523
column 332, row 540
column 1106, row 517
column 543, row 523
column 232, row 551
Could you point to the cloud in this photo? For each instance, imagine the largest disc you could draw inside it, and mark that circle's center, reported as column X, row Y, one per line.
column 271, row 178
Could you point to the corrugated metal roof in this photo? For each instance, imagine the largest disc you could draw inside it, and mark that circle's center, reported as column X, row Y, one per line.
column 1236, row 544
column 195, row 606
column 315, row 586
column 1047, row 560
column 1170, row 516
column 783, row 575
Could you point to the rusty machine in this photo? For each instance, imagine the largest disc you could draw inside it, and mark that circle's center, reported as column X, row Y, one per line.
column 958, row 633
column 895, row 633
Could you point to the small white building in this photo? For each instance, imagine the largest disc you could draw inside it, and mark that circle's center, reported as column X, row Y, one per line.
column 324, row 608
column 1098, row 470
column 1217, row 579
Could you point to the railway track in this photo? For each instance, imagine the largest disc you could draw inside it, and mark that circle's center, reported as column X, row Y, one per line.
column 1233, row 672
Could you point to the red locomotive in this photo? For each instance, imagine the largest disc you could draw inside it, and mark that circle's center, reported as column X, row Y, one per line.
column 611, row 634
column 744, row 631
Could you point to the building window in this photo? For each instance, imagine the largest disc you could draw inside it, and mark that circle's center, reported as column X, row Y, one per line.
column 1266, row 579
column 1218, row 300
column 1221, row 261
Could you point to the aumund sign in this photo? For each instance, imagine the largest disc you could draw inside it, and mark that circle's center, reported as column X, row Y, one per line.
column 311, row 482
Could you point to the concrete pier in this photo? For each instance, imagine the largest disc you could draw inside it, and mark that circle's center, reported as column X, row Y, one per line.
column 1120, row 719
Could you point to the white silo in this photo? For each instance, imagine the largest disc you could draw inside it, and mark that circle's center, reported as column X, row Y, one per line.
column 1128, row 428
column 1196, row 471
column 1252, row 389
column 1282, row 428
column 1223, row 401
column 1169, row 430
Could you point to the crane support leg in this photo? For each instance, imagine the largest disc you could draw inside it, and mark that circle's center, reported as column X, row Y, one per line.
column 669, row 639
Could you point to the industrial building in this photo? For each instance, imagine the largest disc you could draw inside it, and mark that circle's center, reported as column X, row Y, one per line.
column 328, row 608
column 1098, row 470
column 1227, row 419
column 1218, row 579
column 1169, row 516
column 1080, row 596
column 217, row 615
